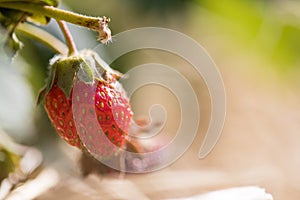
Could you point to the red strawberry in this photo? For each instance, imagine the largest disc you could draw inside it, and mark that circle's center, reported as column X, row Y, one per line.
column 101, row 111
column 59, row 110
column 88, row 111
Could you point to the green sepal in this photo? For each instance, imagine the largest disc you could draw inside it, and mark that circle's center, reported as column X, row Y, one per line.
column 49, row 84
column 41, row 96
column 66, row 69
column 51, row 77
column 102, row 67
column 85, row 72
column 65, row 72
column 85, row 66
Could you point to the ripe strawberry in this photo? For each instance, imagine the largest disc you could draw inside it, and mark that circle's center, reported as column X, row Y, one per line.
column 88, row 111
column 59, row 110
column 101, row 111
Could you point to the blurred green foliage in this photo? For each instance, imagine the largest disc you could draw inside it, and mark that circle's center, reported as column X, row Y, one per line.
column 286, row 52
column 160, row 7
column 272, row 26
column 269, row 29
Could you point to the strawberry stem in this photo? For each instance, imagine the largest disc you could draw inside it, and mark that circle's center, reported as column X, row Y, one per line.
column 43, row 37
column 98, row 24
column 68, row 37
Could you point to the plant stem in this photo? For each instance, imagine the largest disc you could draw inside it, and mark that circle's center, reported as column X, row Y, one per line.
column 93, row 23
column 43, row 37
column 68, row 37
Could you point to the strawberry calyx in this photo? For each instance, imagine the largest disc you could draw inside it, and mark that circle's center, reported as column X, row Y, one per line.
column 85, row 65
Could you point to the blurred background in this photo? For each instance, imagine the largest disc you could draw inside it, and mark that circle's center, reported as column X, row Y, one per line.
column 255, row 45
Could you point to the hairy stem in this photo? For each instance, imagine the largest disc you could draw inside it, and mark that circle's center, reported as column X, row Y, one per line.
column 43, row 37
column 68, row 37
column 93, row 23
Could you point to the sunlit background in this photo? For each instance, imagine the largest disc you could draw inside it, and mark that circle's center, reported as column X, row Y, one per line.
column 256, row 46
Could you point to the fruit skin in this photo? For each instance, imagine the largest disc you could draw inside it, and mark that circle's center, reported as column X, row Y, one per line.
column 91, row 110
column 59, row 110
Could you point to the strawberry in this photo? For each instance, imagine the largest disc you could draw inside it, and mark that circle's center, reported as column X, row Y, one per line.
column 86, row 104
column 101, row 112
column 59, row 110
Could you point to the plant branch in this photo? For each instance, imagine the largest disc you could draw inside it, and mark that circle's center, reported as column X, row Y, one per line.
column 68, row 37
column 43, row 37
column 99, row 24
